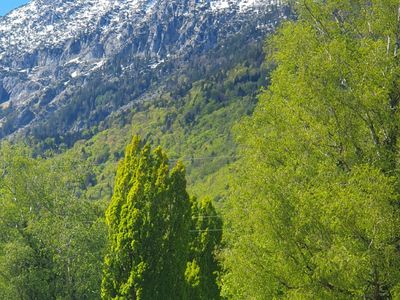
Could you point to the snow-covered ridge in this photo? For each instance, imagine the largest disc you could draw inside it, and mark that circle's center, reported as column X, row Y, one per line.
column 48, row 23
column 43, row 23
column 59, row 45
column 243, row 5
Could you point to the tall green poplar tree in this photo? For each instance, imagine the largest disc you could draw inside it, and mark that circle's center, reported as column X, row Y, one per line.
column 149, row 222
column 314, row 213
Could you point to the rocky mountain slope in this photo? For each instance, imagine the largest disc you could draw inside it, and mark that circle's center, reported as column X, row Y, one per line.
column 54, row 54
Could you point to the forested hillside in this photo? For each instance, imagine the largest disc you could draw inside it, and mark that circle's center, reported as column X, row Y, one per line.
column 192, row 120
column 259, row 170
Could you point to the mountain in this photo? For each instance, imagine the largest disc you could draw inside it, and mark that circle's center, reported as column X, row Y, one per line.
column 68, row 65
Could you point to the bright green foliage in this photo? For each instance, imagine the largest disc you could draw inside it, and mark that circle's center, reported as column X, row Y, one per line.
column 314, row 212
column 50, row 242
column 149, row 223
column 202, row 269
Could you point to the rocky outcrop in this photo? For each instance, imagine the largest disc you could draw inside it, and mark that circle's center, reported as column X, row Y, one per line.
column 49, row 48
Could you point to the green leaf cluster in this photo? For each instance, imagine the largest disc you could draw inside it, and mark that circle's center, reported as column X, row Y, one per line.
column 51, row 240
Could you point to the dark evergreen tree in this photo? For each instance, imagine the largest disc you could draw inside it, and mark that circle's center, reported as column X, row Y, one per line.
column 202, row 269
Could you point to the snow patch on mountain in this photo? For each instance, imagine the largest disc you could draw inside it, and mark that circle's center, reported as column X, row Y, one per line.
column 243, row 5
column 50, row 23
column 43, row 23
column 49, row 48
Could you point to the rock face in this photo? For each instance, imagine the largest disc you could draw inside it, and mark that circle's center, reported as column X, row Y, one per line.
column 50, row 48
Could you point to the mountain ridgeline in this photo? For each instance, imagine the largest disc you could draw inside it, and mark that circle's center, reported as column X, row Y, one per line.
column 67, row 66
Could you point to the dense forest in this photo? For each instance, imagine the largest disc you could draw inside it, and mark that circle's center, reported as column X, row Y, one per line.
column 212, row 192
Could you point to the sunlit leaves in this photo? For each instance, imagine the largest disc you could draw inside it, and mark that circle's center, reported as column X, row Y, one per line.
column 314, row 207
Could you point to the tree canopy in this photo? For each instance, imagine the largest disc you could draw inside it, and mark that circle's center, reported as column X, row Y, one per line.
column 51, row 238
column 314, row 212
column 149, row 221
